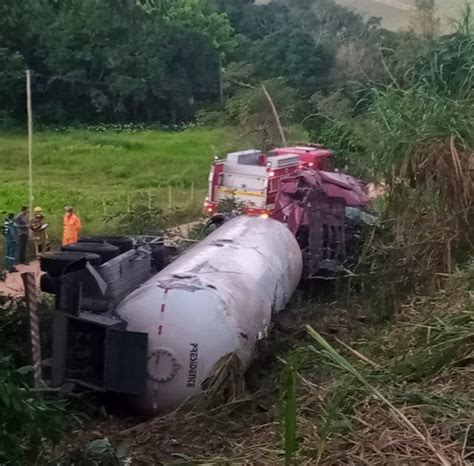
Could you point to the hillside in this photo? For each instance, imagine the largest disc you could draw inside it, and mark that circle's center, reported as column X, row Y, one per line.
column 396, row 14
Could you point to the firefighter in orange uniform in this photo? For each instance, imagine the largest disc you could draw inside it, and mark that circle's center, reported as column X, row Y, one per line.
column 72, row 226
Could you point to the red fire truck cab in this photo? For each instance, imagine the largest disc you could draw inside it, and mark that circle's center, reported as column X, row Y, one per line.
column 252, row 178
column 314, row 156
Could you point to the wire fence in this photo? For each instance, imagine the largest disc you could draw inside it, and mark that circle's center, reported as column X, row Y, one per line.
column 175, row 206
column 100, row 215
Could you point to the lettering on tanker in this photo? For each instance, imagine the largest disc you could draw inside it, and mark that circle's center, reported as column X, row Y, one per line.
column 193, row 365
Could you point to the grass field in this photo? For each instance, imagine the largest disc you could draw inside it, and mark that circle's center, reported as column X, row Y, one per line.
column 101, row 173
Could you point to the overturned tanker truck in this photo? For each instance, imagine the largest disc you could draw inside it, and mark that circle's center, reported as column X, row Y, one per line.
column 159, row 338
column 129, row 320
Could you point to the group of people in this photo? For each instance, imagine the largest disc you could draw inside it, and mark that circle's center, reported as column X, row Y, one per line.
column 17, row 230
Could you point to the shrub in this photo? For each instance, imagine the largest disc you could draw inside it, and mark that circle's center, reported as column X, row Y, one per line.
column 14, row 332
column 28, row 421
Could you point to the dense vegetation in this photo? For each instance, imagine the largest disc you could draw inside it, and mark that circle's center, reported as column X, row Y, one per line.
column 326, row 67
column 111, row 60
column 159, row 60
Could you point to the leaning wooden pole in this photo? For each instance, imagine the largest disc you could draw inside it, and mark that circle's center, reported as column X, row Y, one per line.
column 275, row 113
column 31, row 298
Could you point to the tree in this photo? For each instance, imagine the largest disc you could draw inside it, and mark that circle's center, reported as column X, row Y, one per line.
column 294, row 55
column 116, row 60
column 425, row 21
column 12, row 76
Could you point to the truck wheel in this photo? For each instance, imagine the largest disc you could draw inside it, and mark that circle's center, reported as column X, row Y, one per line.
column 215, row 222
column 104, row 250
column 122, row 242
column 54, row 263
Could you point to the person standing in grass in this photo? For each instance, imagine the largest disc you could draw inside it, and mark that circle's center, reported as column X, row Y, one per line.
column 72, row 226
column 9, row 231
column 40, row 235
column 23, row 231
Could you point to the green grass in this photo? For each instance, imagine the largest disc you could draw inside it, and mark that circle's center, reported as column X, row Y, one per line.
column 100, row 173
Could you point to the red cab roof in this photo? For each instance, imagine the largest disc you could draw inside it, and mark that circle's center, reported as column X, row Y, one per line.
column 303, row 150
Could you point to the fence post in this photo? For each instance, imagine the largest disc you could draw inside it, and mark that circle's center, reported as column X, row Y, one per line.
column 170, row 197
column 31, row 297
column 192, row 193
column 104, row 207
column 59, row 227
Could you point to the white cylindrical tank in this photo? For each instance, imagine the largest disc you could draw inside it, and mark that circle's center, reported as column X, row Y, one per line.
column 214, row 300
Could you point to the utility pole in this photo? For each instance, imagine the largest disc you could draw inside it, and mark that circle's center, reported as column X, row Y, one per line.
column 30, row 138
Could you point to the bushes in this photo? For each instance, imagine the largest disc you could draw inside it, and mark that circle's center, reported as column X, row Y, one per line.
column 28, row 420
column 14, row 332
column 142, row 217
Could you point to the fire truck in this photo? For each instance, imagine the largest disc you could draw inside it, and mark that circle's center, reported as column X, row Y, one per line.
column 252, row 178
column 298, row 187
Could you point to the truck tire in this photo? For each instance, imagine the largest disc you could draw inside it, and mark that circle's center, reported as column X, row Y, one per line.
column 216, row 221
column 122, row 242
column 104, row 250
column 158, row 257
column 54, row 263
column 49, row 284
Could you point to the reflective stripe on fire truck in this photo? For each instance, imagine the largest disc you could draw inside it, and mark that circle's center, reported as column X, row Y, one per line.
column 240, row 193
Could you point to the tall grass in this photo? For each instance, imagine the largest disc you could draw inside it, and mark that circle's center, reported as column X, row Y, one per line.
column 398, row 393
column 335, row 358
column 417, row 135
column 290, row 410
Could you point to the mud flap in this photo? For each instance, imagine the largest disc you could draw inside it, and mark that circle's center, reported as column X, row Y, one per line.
column 126, row 362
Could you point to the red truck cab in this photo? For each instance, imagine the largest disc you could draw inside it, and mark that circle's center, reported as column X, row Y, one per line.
column 252, row 179
column 313, row 156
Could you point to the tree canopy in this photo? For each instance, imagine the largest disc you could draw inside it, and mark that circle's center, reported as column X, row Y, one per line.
column 165, row 60
column 112, row 60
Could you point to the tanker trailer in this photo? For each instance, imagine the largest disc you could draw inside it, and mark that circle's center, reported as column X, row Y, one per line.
column 167, row 338
column 215, row 300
